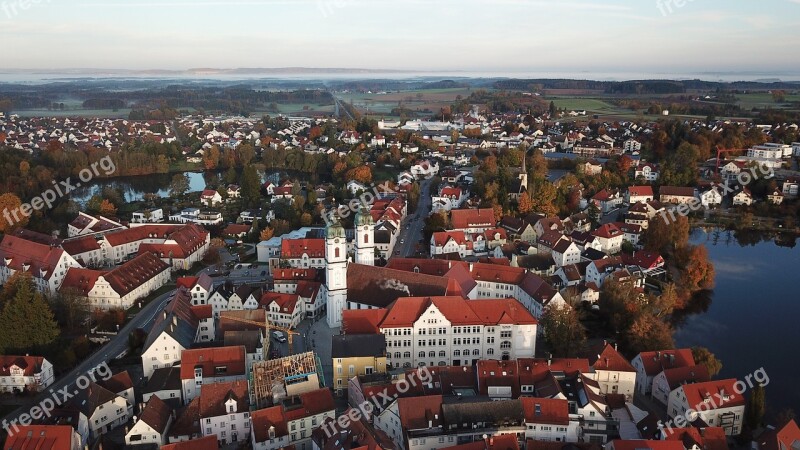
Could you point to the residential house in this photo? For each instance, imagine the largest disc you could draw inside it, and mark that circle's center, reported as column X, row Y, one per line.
column 710, row 197
column 650, row 364
column 612, row 372
column 152, row 426
column 285, row 310
column 637, row 194
column 743, row 198
column 776, row 197
column 610, row 237
column 205, row 366
column 210, row 198
column 670, row 379
column 784, row 438
column 104, row 409
column 357, row 354
column 717, row 403
column 676, row 195
column 451, row 242
column 292, row 423
column 647, row 172
column 20, row 374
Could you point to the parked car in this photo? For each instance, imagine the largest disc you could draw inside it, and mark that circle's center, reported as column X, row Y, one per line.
column 278, row 336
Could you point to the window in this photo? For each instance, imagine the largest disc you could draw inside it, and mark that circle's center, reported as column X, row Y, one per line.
column 490, row 351
column 505, row 334
column 431, row 354
column 476, row 352
column 442, row 354
column 505, row 344
column 456, row 352
column 421, row 354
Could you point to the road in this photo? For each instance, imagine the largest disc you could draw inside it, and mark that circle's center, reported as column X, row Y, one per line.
column 115, row 347
column 412, row 228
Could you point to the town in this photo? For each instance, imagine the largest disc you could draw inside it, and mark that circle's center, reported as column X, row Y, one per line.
column 478, row 278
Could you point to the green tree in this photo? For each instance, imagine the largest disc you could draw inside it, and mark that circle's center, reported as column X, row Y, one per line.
column 563, row 331
column 704, row 356
column 250, row 186
column 29, row 306
column 71, row 309
column 756, row 407
column 179, row 185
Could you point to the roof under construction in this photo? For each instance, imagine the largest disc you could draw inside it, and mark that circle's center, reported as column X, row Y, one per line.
column 276, row 379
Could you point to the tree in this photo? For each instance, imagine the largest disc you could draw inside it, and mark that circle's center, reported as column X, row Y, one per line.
column 703, row 356
column 543, row 198
column 24, row 167
column 305, row 219
column 250, row 186
column 756, row 407
column 266, row 234
column 525, row 205
column 28, row 305
column 107, row 208
column 647, row 333
column 71, row 309
column 179, row 185
column 12, row 216
column 699, row 272
column 553, row 109
column 362, row 174
column 563, row 331
column 778, row 96
column 211, row 158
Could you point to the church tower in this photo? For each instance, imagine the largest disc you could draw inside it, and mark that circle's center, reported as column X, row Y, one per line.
column 365, row 237
column 335, row 272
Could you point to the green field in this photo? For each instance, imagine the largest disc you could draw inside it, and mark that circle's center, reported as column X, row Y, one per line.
column 121, row 113
column 763, row 100
column 423, row 99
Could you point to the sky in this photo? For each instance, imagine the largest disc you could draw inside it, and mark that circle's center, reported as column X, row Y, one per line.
column 498, row 36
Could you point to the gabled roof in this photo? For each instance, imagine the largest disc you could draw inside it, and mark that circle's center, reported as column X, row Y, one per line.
column 204, row 443
column 23, row 255
column 546, row 410
column 783, row 438
column 210, row 360
column 41, row 437
column 715, row 391
column 472, row 218
column 30, row 365
column 156, row 414
column 657, row 361
column 608, row 358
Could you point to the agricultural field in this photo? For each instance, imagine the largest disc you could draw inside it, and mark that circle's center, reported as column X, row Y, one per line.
column 416, row 100
column 763, row 100
column 121, row 113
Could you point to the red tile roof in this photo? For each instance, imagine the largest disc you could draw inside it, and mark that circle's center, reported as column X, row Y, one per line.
column 642, row 445
column 546, row 410
column 286, row 302
column 697, row 393
column 472, row 218
column 499, row 442
column 657, row 361
column 709, row 438
column 30, row 365
column 80, row 245
column 362, row 321
column 41, row 437
column 407, row 310
column 782, row 438
column 233, row 358
column 441, row 238
column 294, row 274
column 204, row 443
column 213, row 396
column 611, row 360
column 641, row 191
column 607, row 231
column 16, row 253
column 296, row 248
column 419, row 413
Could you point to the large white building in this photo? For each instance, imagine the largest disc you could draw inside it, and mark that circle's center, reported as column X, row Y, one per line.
column 47, row 264
column 439, row 331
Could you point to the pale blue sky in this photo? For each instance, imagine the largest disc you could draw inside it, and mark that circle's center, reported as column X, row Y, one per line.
column 470, row 35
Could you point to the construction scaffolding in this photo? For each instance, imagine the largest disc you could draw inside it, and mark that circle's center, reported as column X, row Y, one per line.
column 274, row 380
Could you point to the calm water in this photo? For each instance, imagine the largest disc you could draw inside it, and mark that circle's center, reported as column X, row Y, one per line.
column 752, row 318
column 135, row 188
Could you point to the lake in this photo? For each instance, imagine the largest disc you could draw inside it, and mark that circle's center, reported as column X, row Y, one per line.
column 752, row 319
column 134, row 188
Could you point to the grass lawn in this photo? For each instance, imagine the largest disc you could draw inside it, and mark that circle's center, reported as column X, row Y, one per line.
column 588, row 104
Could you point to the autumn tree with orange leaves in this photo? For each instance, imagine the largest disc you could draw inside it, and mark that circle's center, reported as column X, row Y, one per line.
column 362, row 174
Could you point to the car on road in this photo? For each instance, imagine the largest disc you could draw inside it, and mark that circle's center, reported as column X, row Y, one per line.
column 278, row 336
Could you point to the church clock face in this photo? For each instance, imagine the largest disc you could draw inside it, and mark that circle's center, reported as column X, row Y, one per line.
column 336, row 241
